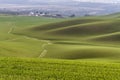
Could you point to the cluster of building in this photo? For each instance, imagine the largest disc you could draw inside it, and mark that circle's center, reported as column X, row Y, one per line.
column 45, row 14
column 35, row 12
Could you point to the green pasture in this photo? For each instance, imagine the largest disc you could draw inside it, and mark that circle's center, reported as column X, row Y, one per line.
column 40, row 48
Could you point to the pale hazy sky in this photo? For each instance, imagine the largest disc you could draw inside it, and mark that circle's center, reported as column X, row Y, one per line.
column 98, row 1
column 101, row 1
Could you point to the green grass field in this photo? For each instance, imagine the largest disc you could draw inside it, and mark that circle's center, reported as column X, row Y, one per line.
column 39, row 48
column 47, row 69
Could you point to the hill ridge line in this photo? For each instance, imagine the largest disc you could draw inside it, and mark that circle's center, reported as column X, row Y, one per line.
column 74, row 26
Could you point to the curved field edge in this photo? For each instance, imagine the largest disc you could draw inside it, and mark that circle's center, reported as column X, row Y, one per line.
column 81, row 28
column 67, row 51
column 50, row 69
column 112, row 37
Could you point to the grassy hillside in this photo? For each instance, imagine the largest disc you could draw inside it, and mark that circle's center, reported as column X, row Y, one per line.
column 85, row 37
column 20, row 46
column 80, row 28
column 85, row 48
column 47, row 69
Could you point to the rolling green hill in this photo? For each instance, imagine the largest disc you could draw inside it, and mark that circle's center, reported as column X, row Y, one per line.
column 80, row 28
column 20, row 46
column 89, row 37
column 38, row 48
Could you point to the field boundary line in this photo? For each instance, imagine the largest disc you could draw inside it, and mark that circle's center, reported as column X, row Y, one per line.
column 47, row 42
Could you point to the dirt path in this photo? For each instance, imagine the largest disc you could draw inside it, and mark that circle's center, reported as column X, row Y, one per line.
column 13, row 39
column 44, row 51
column 46, row 42
column 11, row 29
